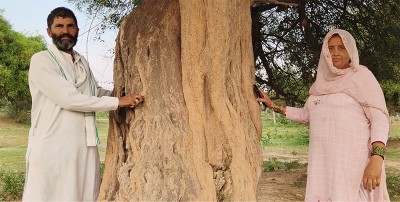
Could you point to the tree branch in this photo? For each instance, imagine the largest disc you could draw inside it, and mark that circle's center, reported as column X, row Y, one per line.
column 275, row 2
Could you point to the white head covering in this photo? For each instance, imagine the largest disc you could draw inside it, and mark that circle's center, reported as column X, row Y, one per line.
column 357, row 81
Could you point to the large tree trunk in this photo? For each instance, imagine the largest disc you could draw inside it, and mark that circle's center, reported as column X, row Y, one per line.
column 197, row 135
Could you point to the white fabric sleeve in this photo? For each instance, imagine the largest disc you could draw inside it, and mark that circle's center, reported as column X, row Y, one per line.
column 44, row 75
column 103, row 92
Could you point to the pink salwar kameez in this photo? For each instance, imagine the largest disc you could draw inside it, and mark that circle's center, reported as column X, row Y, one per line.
column 339, row 147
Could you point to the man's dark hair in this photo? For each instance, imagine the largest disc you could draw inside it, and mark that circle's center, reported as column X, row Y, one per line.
column 60, row 12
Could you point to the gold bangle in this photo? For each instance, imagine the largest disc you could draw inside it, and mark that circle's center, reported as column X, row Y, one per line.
column 278, row 109
column 377, row 150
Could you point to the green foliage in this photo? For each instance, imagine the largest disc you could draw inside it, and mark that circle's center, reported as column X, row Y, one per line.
column 265, row 139
column 273, row 164
column 102, row 168
column 15, row 53
column 287, row 43
column 391, row 88
column 393, row 185
column 110, row 13
column 11, row 185
column 18, row 111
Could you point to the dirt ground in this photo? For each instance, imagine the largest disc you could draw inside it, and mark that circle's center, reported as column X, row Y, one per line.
column 283, row 185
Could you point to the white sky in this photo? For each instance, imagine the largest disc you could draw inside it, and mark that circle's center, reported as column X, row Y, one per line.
column 29, row 18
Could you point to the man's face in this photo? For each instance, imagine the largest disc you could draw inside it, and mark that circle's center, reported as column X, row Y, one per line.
column 64, row 33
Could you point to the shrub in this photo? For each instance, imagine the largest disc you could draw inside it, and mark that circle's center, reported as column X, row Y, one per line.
column 11, row 185
column 274, row 165
column 393, row 185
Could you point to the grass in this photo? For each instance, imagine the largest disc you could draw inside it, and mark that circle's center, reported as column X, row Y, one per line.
column 13, row 141
column 393, row 184
column 283, row 137
column 11, row 185
column 273, row 164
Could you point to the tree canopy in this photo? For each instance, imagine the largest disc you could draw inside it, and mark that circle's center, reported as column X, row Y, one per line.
column 16, row 50
column 287, row 43
column 288, row 34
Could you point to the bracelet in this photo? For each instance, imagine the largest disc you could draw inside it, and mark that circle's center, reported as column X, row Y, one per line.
column 278, row 109
column 376, row 150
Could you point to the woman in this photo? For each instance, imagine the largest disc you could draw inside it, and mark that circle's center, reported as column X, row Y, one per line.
column 349, row 126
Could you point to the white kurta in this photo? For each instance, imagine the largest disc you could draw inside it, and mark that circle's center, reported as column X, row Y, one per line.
column 60, row 167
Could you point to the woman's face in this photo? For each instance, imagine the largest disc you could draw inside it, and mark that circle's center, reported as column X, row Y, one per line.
column 340, row 56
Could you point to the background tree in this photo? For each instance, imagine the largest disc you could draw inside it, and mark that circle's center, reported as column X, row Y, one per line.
column 287, row 37
column 110, row 13
column 15, row 53
column 287, row 43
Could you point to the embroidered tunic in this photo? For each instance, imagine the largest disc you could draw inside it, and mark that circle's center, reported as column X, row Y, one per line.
column 340, row 147
column 60, row 165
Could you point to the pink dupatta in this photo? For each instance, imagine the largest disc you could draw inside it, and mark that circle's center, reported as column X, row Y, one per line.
column 356, row 81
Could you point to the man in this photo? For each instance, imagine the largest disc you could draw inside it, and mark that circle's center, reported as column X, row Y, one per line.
column 62, row 155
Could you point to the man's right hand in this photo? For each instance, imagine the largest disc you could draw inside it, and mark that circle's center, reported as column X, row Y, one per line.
column 130, row 101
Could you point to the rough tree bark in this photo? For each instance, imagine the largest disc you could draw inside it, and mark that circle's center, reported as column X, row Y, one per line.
column 197, row 136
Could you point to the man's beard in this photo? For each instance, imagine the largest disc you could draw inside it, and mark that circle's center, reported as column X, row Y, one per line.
column 64, row 45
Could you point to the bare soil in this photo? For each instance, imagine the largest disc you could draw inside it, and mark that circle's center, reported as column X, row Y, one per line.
column 283, row 185
column 5, row 121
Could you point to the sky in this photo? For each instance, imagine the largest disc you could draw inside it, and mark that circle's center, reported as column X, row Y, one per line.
column 29, row 17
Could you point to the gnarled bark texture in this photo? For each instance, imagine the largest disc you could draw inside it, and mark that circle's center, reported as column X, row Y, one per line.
column 197, row 135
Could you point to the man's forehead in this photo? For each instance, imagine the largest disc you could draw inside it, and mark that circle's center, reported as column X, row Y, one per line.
column 63, row 20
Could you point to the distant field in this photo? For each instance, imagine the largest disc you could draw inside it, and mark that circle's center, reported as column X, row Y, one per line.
column 284, row 146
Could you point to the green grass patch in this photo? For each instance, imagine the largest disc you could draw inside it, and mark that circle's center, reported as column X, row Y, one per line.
column 395, row 128
column 393, row 153
column 273, row 164
column 12, row 159
column 13, row 141
column 282, row 132
column 393, row 185
column 102, row 127
column 11, row 185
